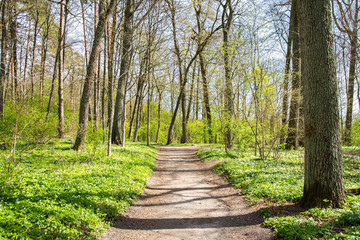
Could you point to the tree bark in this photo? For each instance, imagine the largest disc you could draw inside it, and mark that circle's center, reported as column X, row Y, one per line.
column 350, row 89
column 227, row 18
column 61, row 126
column 90, row 77
column 84, row 30
column 159, row 117
column 13, row 36
column 26, row 59
column 285, row 103
column 138, row 95
column 292, row 136
column 44, row 47
column 323, row 182
column 183, row 120
column 55, row 71
column 3, row 57
column 34, row 46
column 111, row 50
column 124, row 70
column 97, row 81
column 206, row 97
column 148, row 116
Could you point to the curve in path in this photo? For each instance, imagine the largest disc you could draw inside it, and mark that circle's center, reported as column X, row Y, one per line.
column 184, row 199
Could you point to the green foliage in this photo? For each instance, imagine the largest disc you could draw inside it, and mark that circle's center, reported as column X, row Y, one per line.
column 197, row 131
column 244, row 137
column 281, row 180
column 298, row 228
column 26, row 120
column 355, row 131
column 63, row 194
column 320, row 223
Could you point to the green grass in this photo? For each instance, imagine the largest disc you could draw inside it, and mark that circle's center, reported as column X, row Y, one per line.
column 58, row 193
column 280, row 180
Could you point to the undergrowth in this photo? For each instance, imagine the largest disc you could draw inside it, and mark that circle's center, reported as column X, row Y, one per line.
column 280, row 180
column 58, row 193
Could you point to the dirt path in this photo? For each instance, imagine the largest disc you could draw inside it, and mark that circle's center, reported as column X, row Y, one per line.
column 184, row 199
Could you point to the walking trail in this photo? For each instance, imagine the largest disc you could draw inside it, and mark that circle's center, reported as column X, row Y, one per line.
column 184, row 199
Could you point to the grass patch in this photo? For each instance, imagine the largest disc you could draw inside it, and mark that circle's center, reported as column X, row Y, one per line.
column 280, row 180
column 58, row 193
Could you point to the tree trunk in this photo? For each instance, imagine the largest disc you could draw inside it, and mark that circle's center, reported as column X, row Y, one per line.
column 292, row 136
column 44, row 46
column 90, row 77
column 124, row 70
column 53, row 83
column 148, row 115
column 84, row 30
column 229, row 105
column 34, row 47
column 26, row 58
column 350, row 89
column 138, row 117
column 13, row 36
column 103, row 90
column 191, row 95
column 323, row 183
column 111, row 50
column 97, row 80
column 206, row 97
column 61, row 129
column 159, row 118
column 3, row 57
column 285, row 103
column 183, row 120
column 138, row 95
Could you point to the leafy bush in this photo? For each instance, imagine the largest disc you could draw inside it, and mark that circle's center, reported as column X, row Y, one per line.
column 27, row 121
column 355, row 131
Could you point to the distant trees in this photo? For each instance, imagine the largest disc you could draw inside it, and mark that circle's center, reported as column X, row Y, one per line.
column 292, row 140
column 178, row 71
column 347, row 21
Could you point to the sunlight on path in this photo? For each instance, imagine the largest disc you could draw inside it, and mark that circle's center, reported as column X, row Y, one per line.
column 184, row 199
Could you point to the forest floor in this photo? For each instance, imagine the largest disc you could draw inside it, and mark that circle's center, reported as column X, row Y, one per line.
column 185, row 199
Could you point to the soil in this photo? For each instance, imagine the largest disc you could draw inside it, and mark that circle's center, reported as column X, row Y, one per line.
column 185, row 199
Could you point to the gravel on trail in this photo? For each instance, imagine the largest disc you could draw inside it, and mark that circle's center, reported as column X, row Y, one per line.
column 185, row 199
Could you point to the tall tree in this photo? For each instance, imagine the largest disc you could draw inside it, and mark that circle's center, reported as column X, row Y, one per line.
column 323, row 183
column 124, row 71
column 61, row 127
column 3, row 55
column 184, row 66
column 285, row 102
column 13, row 47
column 90, row 77
column 292, row 136
column 36, row 17
column 44, row 50
column 201, row 33
column 227, row 18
